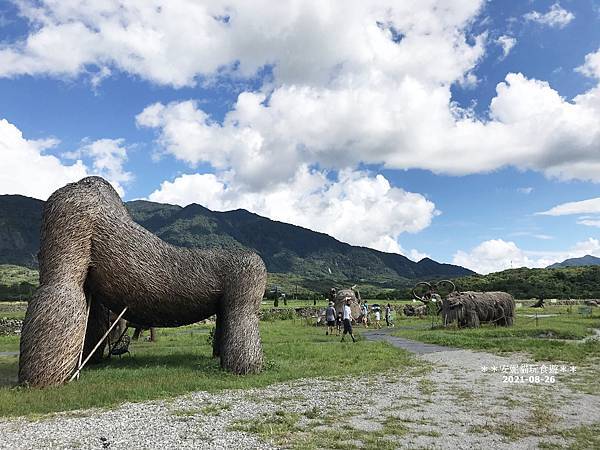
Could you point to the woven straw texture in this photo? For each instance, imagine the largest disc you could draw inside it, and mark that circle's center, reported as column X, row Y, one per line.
column 92, row 250
column 470, row 309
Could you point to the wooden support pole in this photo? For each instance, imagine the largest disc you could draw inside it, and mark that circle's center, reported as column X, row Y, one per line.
column 76, row 374
column 87, row 317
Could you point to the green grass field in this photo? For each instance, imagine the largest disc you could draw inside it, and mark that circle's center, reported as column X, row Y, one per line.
column 181, row 362
column 556, row 338
column 12, row 310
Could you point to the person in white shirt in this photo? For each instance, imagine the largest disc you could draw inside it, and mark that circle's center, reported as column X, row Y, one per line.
column 347, row 316
column 377, row 319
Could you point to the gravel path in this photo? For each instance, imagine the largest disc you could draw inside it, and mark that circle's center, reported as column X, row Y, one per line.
column 456, row 405
column 418, row 348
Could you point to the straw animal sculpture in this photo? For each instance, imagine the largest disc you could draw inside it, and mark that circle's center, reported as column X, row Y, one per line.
column 470, row 309
column 340, row 300
column 92, row 251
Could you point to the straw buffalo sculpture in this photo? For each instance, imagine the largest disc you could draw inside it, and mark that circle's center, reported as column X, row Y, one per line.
column 94, row 258
column 470, row 309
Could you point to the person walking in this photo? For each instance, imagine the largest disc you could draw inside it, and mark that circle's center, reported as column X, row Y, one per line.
column 330, row 318
column 365, row 314
column 339, row 321
column 347, row 315
column 388, row 315
column 377, row 318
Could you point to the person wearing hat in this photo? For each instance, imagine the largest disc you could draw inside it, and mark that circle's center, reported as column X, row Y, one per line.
column 330, row 318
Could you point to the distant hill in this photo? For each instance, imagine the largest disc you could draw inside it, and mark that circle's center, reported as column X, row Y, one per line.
column 19, row 229
column 311, row 256
column 523, row 283
column 587, row 260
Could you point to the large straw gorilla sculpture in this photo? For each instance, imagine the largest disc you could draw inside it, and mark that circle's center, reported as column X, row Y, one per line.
column 92, row 250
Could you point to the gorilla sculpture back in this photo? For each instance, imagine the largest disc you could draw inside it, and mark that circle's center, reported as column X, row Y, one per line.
column 91, row 250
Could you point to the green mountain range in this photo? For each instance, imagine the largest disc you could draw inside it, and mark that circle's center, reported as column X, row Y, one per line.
column 587, row 260
column 309, row 257
column 524, row 283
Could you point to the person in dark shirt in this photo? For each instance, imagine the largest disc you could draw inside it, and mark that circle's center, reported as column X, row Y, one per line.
column 330, row 318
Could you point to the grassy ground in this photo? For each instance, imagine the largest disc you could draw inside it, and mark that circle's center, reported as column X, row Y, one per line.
column 556, row 338
column 297, row 431
column 11, row 275
column 181, row 362
column 12, row 310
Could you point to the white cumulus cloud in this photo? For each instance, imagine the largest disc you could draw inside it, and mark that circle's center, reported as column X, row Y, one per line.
column 506, row 43
column 496, row 254
column 108, row 157
column 25, row 169
column 371, row 84
column 174, row 42
column 556, row 17
column 355, row 207
column 589, row 221
column 492, row 256
column 401, row 124
column 591, row 66
column 589, row 206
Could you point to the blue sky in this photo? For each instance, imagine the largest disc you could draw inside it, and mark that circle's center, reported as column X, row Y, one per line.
column 420, row 128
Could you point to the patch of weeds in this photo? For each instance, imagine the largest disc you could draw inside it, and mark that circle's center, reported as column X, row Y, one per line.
column 280, row 400
column 185, row 412
column 462, row 394
column 509, row 401
column 426, row 386
column 478, row 429
column 215, row 409
column 313, row 413
column 327, row 417
column 510, row 430
column 417, row 421
column 585, row 379
column 282, row 428
column 541, row 418
column 394, row 426
column 539, row 422
column 431, row 433
column 254, row 398
column 582, row 437
column 348, row 438
column 550, row 446
column 276, row 427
